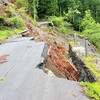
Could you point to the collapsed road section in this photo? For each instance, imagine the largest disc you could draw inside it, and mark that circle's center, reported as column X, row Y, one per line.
column 23, row 80
column 59, row 58
column 56, row 53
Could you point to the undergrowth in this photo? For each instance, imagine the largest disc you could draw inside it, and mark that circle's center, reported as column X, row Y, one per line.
column 92, row 89
column 27, row 16
column 90, row 63
column 4, row 34
column 10, row 23
column 62, row 26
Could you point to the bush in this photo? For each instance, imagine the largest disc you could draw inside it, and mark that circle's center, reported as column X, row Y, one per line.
column 16, row 22
column 1, row 20
column 92, row 89
column 61, row 24
column 4, row 34
column 58, row 21
column 23, row 10
column 29, row 18
column 91, row 29
column 21, row 3
column 11, row 12
column 95, row 39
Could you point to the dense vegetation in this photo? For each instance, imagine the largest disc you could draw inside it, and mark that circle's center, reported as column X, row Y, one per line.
column 81, row 15
column 9, row 21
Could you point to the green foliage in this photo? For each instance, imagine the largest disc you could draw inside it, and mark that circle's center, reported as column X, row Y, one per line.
column 47, row 8
column 58, row 21
column 23, row 10
column 92, row 89
column 89, row 63
column 73, row 16
column 32, row 7
column 95, row 39
column 61, row 24
column 91, row 29
column 28, row 17
column 88, row 24
column 21, row 3
column 10, row 11
column 52, row 7
column 5, row 33
column 16, row 22
column 1, row 20
column 70, row 13
column 10, row 23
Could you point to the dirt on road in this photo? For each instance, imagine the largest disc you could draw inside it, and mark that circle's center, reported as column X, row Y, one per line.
column 3, row 59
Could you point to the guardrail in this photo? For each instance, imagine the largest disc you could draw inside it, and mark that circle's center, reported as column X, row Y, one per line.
column 89, row 47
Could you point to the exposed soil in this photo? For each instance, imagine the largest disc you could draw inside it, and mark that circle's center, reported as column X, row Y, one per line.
column 52, row 70
column 58, row 63
column 84, row 72
column 57, row 44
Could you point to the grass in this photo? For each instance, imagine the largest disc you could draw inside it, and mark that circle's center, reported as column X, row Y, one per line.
column 92, row 89
column 10, row 24
column 89, row 61
column 4, row 34
column 15, row 26
column 29, row 18
column 62, row 26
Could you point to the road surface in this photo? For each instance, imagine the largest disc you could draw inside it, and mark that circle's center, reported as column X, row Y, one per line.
column 23, row 80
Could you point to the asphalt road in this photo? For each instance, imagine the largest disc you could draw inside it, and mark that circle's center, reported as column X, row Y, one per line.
column 24, row 81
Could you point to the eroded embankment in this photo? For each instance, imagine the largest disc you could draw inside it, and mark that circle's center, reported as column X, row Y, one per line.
column 57, row 52
column 84, row 72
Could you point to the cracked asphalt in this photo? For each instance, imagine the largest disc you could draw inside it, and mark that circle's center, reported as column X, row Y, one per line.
column 24, row 81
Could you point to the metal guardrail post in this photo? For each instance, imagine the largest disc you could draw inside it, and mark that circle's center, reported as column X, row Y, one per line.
column 86, row 47
column 75, row 38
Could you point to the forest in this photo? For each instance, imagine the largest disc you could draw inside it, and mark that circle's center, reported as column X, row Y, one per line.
column 80, row 15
